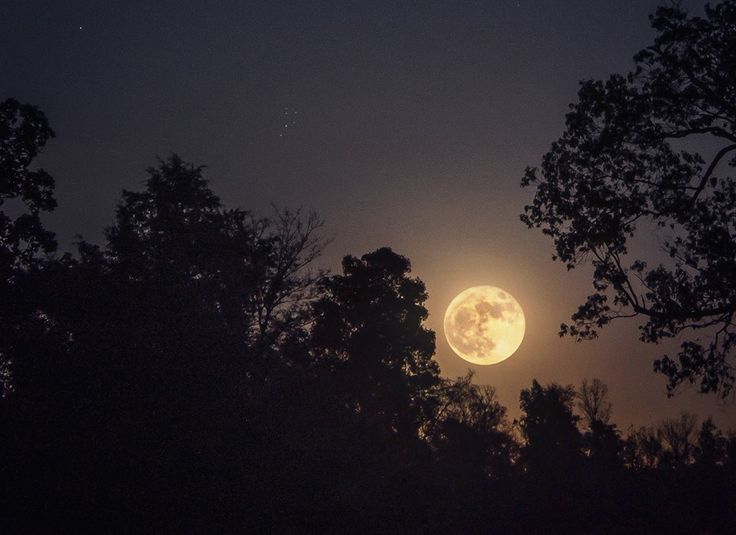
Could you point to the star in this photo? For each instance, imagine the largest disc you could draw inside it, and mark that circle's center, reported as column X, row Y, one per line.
column 288, row 121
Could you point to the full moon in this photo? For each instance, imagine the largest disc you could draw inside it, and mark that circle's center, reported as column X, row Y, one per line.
column 484, row 325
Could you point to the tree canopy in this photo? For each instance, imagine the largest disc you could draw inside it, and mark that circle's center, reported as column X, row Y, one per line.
column 26, row 191
column 24, row 131
column 195, row 373
column 369, row 327
column 654, row 149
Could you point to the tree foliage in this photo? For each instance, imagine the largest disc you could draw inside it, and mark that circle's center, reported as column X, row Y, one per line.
column 710, row 449
column 24, row 131
column 368, row 324
column 195, row 374
column 469, row 426
column 677, row 435
column 627, row 164
column 549, row 426
column 593, row 401
column 26, row 191
column 253, row 269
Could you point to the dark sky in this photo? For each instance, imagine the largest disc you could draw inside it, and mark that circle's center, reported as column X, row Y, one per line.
column 406, row 124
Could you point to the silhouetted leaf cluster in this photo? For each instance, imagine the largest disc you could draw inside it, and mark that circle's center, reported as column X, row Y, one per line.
column 652, row 151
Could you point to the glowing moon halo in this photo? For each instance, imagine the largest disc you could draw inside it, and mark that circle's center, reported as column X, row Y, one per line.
column 484, row 325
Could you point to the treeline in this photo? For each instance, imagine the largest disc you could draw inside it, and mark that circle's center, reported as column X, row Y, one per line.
column 197, row 374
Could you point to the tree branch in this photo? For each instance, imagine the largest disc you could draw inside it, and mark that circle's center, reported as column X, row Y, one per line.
column 709, row 171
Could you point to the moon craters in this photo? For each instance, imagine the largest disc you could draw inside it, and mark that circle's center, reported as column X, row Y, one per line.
column 484, row 325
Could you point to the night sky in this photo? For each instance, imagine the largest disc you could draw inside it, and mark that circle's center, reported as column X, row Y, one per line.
column 407, row 124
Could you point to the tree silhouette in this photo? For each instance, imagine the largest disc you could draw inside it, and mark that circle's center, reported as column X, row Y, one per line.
column 37, row 381
column 601, row 440
column 369, row 325
column 156, row 343
column 468, row 419
column 677, row 435
column 622, row 167
column 24, row 131
column 711, row 444
column 254, row 269
column 549, row 427
column 348, row 422
column 194, row 374
column 593, row 401
column 642, row 449
column 551, row 457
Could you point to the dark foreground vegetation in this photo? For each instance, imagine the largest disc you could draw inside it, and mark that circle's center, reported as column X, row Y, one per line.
column 195, row 374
